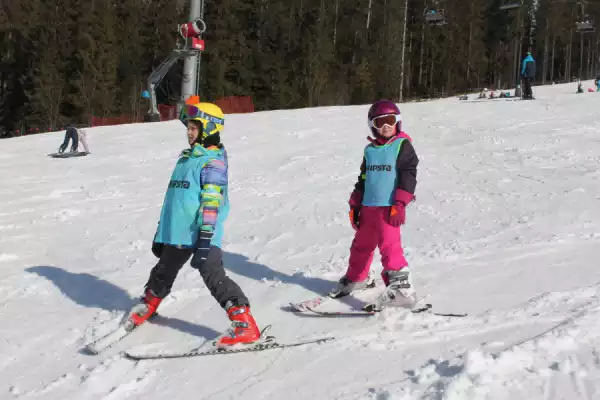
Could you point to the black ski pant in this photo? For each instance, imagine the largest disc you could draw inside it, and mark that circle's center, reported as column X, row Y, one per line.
column 172, row 259
column 527, row 93
column 70, row 134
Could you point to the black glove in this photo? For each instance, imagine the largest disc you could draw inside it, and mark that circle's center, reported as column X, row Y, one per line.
column 203, row 246
column 157, row 249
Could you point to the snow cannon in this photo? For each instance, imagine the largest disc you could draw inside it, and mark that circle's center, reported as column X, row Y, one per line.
column 192, row 31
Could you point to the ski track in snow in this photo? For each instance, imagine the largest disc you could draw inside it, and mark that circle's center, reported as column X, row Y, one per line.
column 506, row 227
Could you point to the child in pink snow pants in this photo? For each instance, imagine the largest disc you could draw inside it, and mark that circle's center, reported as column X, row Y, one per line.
column 386, row 185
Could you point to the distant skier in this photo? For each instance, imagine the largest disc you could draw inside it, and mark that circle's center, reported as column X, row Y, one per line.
column 597, row 83
column 528, row 75
column 191, row 223
column 385, row 187
column 75, row 135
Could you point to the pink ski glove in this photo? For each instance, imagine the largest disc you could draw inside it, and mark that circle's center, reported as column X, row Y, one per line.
column 397, row 215
column 355, row 200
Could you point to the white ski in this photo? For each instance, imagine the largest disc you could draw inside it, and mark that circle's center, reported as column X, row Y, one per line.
column 111, row 338
column 265, row 343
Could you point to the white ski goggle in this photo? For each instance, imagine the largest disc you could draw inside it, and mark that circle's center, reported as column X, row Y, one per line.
column 382, row 120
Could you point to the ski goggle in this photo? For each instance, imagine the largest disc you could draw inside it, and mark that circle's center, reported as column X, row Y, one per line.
column 192, row 112
column 382, row 120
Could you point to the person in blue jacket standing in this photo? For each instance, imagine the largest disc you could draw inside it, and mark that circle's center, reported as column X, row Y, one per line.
column 191, row 225
column 528, row 75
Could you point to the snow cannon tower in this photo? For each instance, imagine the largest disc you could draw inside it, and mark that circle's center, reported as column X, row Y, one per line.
column 188, row 44
column 516, row 6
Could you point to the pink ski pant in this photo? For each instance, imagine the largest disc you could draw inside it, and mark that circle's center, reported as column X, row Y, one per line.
column 374, row 231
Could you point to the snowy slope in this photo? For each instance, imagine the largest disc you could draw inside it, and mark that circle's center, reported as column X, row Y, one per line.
column 506, row 227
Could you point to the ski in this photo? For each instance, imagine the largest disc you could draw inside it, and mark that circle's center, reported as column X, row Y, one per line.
column 311, row 303
column 317, row 301
column 124, row 329
column 349, row 313
column 110, row 339
column 367, row 312
column 266, row 343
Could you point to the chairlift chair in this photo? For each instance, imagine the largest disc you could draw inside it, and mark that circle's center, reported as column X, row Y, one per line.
column 510, row 4
column 585, row 26
column 435, row 17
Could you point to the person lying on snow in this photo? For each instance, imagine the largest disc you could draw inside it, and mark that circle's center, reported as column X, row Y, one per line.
column 75, row 135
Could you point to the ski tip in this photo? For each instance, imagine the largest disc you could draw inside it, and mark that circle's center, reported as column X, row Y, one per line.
column 324, row 339
column 428, row 307
column 457, row 315
column 265, row 330
column 127, row 355
column 296, row 307
column 131, row 357
column 90, row 350
column 423, row 308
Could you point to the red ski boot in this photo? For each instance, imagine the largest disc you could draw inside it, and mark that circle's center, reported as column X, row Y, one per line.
column 243, row 328
column 141, row 312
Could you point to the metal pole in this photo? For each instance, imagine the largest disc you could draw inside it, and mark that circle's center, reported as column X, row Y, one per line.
column 517, row 70
column 581, row 42
column 188, row 83
column 199, row 55
column 403, row 51
column 581, row 56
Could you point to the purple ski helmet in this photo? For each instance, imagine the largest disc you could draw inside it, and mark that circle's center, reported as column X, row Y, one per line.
column 383, row 107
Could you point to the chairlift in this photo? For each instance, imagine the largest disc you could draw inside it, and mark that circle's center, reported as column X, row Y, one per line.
column 435, row 17
column 510, row 4
column 585, row 26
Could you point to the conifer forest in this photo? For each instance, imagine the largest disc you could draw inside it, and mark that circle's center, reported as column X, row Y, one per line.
column 62, row 61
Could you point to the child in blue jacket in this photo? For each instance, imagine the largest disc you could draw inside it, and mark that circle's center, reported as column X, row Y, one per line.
column 191, row 225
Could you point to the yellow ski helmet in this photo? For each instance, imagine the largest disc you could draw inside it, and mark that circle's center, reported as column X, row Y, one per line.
column 210, row 115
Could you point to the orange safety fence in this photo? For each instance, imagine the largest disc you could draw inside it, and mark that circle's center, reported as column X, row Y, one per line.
column 236, row 104
column 229, row 105
column 166, row 112
column 122, row 119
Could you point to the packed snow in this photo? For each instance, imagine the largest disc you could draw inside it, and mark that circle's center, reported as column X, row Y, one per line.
column 506, row 228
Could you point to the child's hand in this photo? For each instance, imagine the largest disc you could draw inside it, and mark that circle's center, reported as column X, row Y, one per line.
column 354, row 218
column 157, row 249
column 355, row 203
column 355, row 200
column 397, row 215
column 203, row 246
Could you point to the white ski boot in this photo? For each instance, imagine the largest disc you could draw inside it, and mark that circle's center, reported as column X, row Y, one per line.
column 400, row 292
